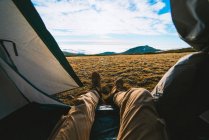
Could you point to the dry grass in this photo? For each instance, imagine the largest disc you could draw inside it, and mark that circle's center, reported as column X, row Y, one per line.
column 137, row 70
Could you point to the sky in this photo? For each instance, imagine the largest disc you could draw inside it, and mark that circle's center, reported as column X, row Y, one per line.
column 95, row 26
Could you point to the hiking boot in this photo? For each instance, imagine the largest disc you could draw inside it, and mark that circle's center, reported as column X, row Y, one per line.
column 95, row 81
column 96, row 85
column 118, row 86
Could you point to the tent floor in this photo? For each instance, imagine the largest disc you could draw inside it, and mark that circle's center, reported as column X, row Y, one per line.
column 36, row 122
column 32, row 122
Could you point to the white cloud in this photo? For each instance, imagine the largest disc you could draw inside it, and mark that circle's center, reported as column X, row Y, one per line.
column 102, row 17
column 94, row 26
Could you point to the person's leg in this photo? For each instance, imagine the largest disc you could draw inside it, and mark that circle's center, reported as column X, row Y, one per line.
column 76, row 125
column 138, row 117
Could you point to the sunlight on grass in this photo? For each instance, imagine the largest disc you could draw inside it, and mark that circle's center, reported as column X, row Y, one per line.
column 137, row 70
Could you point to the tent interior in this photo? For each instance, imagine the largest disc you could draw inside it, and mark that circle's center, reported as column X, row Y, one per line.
column 28, row 80
column 32, row 68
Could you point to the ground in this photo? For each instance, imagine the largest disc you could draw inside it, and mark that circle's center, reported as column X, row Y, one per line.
column 137, row 70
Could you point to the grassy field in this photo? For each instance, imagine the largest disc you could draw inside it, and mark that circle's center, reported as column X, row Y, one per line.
column 137, row 70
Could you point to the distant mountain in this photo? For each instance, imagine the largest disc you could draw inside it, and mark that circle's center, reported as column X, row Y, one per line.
column 107, row 53
column 67, row 54
column 141, row 50
column 136, row 50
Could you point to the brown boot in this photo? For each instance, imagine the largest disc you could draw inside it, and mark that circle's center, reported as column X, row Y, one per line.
column 96, row 85
column 118, row 86
column 95, row 81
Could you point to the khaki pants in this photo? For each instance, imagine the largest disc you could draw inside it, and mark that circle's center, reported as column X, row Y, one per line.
column 138, row 117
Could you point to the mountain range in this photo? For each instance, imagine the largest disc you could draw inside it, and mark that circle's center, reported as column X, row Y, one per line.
column 136, row 50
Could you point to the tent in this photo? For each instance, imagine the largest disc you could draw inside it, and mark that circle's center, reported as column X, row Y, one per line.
column 32, row 69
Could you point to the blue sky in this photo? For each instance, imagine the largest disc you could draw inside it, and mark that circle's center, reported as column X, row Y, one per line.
column 94, row 26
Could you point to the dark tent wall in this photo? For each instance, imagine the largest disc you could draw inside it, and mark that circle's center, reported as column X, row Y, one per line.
column 31, row 122
column 183, row 93
column 192, row 22
column 184, row 96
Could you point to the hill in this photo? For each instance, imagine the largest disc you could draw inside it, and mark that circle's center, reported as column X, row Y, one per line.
column 136, row 50
column 141, row 50
column 107, row 53
column 68, row 54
